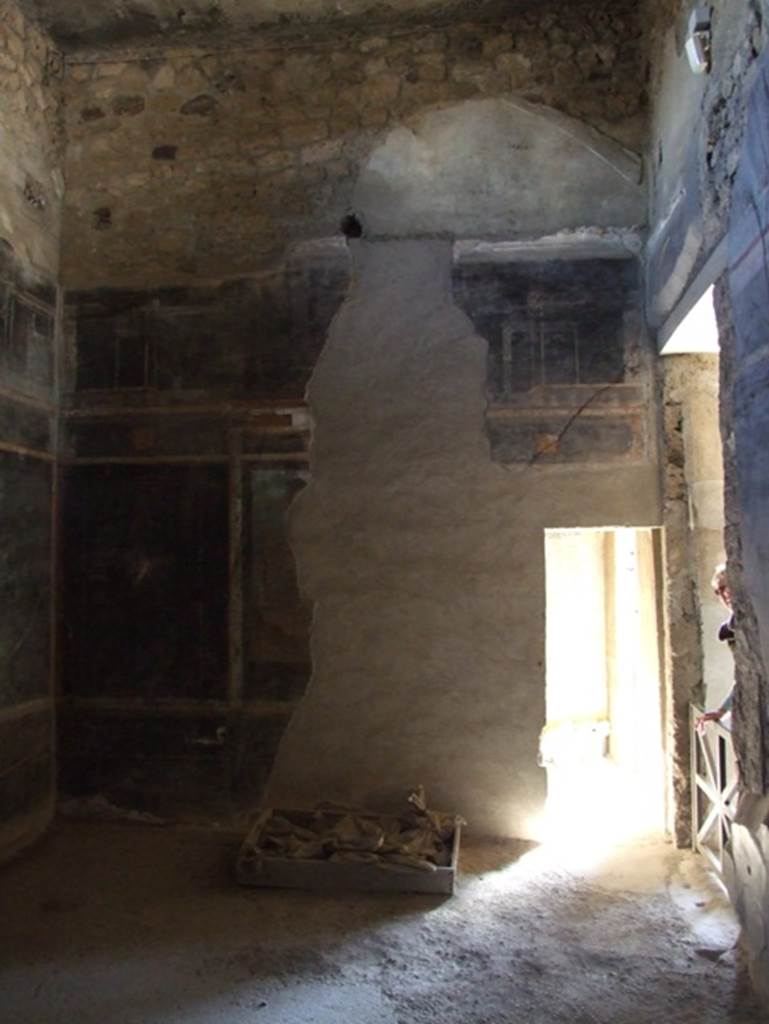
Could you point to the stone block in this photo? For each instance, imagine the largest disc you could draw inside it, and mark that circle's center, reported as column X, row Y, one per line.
column 128, row 106
column 431, row 68
column 279, row 160
column 201, row 106
column 322, row 152
column 304, row 134
column 379, row 92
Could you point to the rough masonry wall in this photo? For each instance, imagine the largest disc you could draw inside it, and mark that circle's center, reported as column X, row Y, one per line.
column 721, row 202
column 692, row 175
column 204, row 164
column 30, row 194
column 699, row 668
column 691, row 172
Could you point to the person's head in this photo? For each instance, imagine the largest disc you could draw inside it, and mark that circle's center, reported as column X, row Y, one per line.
column 720, row 585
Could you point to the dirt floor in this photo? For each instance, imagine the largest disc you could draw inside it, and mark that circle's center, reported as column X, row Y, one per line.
column 126, row 924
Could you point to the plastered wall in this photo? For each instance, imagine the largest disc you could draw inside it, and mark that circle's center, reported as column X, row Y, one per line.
column 425, row 560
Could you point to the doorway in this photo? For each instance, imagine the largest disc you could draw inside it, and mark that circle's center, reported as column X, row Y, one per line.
column 602, row 744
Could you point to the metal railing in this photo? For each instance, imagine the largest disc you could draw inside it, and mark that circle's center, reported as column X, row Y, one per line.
column 714, row 788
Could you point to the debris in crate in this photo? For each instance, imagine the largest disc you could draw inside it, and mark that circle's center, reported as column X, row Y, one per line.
column 419, row 840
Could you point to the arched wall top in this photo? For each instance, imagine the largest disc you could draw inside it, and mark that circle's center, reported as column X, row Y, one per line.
column 498, row 168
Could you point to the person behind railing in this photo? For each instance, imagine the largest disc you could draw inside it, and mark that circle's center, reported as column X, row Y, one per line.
column 720, row 585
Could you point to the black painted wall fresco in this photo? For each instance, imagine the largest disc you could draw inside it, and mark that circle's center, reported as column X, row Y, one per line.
column 157, row 714
column 250, row 338
column 145, row 582
column 25, row 578
column 27, row 317
column 145, row 596
column 563, row 379
column 276, row 620
column 185, row 639
column 186, row 437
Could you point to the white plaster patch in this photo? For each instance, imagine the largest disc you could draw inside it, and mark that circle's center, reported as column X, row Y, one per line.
column 497, row 168
column 424, row 560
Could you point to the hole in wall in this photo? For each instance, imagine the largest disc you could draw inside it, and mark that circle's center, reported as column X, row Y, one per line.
column 34, row 194
column 351, row 227
column 102, row 218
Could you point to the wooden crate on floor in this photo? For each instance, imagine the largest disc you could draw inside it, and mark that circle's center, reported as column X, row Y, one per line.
column 256, row 868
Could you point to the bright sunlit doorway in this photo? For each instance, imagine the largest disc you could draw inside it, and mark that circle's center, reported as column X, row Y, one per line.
column 602, row 744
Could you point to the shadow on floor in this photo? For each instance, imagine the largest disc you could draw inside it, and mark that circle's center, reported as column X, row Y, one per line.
column 126, row 924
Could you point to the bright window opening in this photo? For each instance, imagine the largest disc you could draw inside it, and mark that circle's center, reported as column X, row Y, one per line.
column 602, row 744
column 697, row 332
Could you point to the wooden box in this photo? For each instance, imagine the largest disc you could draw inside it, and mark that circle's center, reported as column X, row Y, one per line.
column 255, row 869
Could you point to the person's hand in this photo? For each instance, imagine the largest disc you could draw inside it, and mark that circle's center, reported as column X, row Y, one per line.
column 709, row 716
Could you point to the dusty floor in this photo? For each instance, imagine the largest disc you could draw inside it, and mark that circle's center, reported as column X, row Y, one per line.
column 121, row 924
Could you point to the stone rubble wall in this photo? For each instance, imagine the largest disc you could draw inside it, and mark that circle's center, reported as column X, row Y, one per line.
column 691, row 172
column 692, row 196
column 200, row 164
column 31, row 187
column 31, row 141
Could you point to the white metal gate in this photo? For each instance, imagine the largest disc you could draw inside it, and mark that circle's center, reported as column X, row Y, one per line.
column 714, row 788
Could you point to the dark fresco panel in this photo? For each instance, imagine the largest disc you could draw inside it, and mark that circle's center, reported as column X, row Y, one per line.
column 27, row 328
column 167, row 763
column 25, row 787
column 145, row 565
column 160, row 435
column 25, row 586
column 257, row 338
column 25, row 763
column 276, row 622
column 25, row 425
column 554, row 322
column 585, row 439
